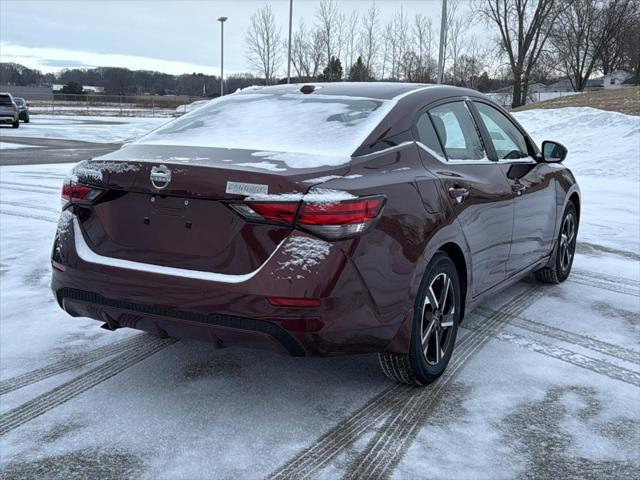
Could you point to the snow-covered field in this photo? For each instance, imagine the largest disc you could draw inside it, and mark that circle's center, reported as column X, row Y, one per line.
column 544, row 383
column 87, row 129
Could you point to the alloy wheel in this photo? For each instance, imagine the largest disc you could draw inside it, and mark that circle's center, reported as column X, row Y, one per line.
column 567, row 241
column 438, row 314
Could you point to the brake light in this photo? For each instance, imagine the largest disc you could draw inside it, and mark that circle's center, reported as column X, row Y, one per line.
column 73, row 192
column 329, row 219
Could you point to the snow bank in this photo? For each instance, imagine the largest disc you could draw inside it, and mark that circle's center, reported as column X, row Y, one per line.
column 600, row 143
column 604, row 155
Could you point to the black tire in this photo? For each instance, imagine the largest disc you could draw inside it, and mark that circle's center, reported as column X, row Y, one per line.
column 565, row 249
column 422, row 366
column 16, row 124
column 26, row 120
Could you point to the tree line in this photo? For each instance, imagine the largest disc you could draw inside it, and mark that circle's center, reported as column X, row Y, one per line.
column 122, row 81
column 523, row 41
column 526, row 41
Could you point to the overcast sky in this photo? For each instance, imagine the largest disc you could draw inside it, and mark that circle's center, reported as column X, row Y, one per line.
column 165, row 35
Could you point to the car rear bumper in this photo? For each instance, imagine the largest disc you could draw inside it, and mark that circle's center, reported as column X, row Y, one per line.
column 229, row 311
column 7, row 119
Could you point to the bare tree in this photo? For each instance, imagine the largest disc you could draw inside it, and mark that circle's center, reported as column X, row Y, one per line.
column 316, row 52
column 300, row 52
column 581, row 33
column 423, row 43
column 351, row 39
column 369, row 43
column 458, row 24
column 395, row 44
column 327, row 15
column 307, row 52
column 631, row 42
column 524, row 27
column 264, row 44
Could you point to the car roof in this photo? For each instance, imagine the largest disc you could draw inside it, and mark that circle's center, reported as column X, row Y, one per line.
column 378, row 90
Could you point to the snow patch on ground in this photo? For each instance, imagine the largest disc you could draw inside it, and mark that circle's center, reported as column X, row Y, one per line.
column 87, row 129
column 15, row 146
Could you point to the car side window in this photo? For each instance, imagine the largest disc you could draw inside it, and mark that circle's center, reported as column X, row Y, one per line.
column 427, row 134
column 508, row 141
column 457, row 131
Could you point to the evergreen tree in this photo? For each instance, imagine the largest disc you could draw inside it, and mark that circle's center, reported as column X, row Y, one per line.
column 333, row 71
column 73, row 88
column 359, row 72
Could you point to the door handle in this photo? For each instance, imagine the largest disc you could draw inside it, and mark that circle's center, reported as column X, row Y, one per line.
column 459, row 194
column 518, row 188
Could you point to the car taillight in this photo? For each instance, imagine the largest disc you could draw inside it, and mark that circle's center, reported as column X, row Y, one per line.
column 332, row 220
column 73, row 192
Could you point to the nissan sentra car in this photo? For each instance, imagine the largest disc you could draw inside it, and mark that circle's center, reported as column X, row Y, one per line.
column 317, row 219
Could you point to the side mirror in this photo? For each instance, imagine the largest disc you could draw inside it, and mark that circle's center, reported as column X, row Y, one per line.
column 553, row 152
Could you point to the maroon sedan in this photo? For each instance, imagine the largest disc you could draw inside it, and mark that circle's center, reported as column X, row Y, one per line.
column 319, row 219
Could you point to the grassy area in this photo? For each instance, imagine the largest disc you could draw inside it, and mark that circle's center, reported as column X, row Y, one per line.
column 625, row 100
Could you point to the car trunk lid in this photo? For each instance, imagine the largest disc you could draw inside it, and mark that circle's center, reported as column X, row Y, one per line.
column 169, row 206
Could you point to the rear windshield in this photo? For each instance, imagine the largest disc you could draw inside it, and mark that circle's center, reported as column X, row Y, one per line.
column 5, row 100
column 301, row 123
column 19, row 101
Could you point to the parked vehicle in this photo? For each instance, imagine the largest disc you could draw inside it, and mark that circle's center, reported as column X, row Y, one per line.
column 8, row 110
column 23, row 109
column 322, row 219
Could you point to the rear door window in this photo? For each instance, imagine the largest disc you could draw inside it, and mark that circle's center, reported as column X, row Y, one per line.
column 457, row 132
column 507, row 140
column 427, row 135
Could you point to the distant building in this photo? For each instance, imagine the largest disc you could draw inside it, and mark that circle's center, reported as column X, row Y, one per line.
column 618, row 79
column 56, row 87
column 565, row 85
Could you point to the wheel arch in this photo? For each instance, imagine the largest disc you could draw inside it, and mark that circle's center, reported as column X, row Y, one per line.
column 455, row 253
column 575, row 199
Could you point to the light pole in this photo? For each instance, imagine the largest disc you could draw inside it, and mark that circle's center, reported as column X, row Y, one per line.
column 289, row 53
column 443, row 41
column 222, row 20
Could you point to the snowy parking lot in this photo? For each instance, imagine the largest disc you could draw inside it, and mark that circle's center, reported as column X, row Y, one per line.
column 544, row 381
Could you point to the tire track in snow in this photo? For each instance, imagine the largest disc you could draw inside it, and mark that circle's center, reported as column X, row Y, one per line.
column 68, row 390
column 79, row 360
column 390, row 443
column 30, row 190
column 27, row 215
column 576, row 339
column 30, row 185
column 346, row 433
column 606, row 282
column 594, row 365
column 30, row 207
column 605, row 277
column 589, row 248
